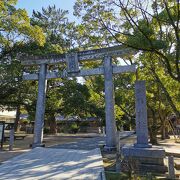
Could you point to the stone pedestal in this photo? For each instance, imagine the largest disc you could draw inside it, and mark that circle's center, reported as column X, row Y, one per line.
column 143, row 160
column 36, row 145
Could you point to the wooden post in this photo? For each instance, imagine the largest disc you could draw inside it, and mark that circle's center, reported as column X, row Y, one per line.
column 109, row 104
column 40, row 107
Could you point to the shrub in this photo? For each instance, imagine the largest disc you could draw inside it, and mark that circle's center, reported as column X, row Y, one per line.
column 74, row 128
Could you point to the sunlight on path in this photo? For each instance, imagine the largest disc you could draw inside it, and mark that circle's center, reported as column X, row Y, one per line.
column 47, row 163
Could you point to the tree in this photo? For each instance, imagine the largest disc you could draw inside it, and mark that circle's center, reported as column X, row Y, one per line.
column 149, row 27
column 75, row 97
column 15, row 28
column 57, row 28
column 142, row 25
column 161, row 90
column 58, row 33
column 15, row 31
column 124, row 98
column 53, row 104
column 95, row 85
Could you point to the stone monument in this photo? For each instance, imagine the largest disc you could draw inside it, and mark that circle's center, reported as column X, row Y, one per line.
column 143, row 156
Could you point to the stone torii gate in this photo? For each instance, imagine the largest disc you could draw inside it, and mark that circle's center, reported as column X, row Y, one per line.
column 72, row 60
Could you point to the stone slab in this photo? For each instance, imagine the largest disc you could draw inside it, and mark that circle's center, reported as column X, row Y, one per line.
column 152, row 168
column 153, row 152
column 177, row 164
column 172, row 149
column 48, row 163
column 145, row 160
column 141, row 114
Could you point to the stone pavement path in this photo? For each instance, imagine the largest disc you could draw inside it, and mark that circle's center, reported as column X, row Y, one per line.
column 172, row 148
column 47, row 163
column 80, row 159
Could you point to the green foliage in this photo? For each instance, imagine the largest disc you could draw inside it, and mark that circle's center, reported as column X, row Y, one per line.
column 15, row 32
column 115, row 176
column 74, row 128
column 143, row 25
column 152, row 28
column 58, row 30
column 15, row 26
column 162, row 93
column 75, row 98
column 154, row 34
column 46, row 130
column 24, row 121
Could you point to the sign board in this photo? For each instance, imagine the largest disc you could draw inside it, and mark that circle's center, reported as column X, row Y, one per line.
column 72, row 63
column 2, row 124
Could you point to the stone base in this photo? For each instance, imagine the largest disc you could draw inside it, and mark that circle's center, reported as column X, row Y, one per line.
column 152, row 152
column 143, row 160
column 34, row 145
column 142, row 145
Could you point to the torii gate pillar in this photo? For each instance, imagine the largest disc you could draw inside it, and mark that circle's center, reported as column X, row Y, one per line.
column 109, row 104
column 40, row 107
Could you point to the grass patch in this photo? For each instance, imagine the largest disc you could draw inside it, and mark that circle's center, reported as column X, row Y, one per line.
column 115, row 176
column 122, row 176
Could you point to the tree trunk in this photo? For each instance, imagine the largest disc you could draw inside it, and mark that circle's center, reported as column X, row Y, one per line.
column 163, row 130
column 53, row 125
column 153, row 129
column 164, row 125
column 153, row 136
column 16, row 123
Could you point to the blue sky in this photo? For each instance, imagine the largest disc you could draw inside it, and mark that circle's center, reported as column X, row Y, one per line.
column 37, row 5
